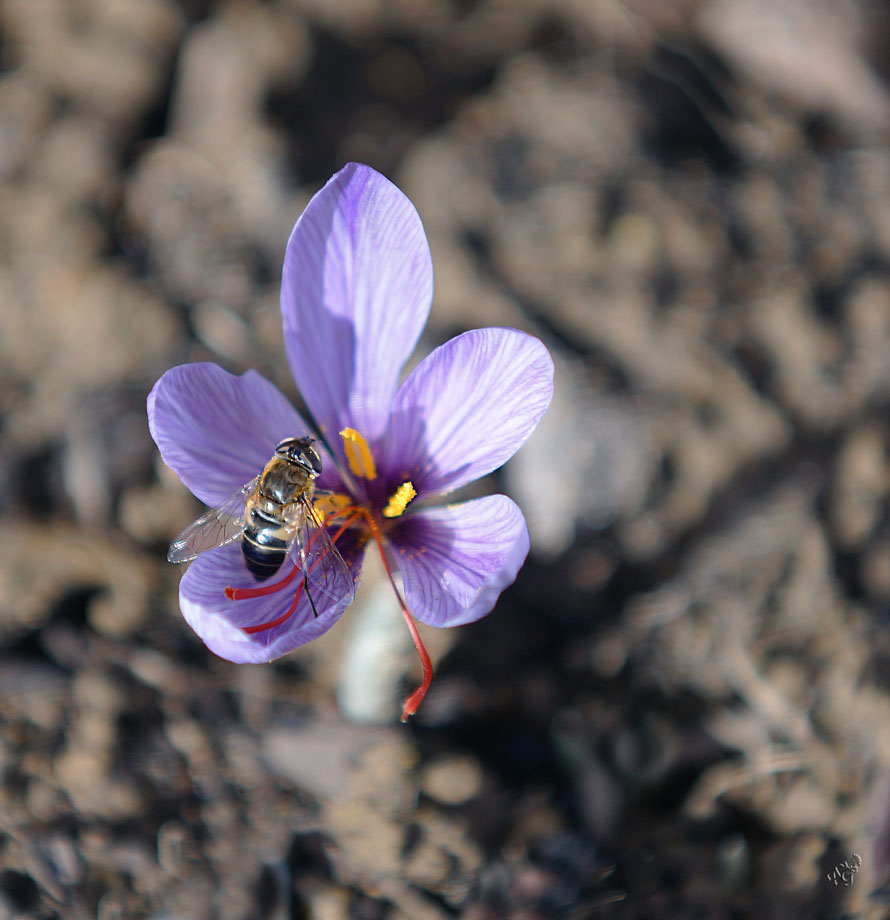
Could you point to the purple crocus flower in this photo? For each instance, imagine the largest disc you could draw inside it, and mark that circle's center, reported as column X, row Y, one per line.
column 355, row 294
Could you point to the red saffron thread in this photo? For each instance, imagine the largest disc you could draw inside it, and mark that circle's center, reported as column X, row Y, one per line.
column 409, row 707
column 262, row 627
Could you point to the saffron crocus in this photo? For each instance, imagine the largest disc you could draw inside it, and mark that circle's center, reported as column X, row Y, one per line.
column 356, row 291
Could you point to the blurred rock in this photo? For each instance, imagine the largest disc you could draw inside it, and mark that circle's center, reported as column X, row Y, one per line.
column 810, row 52
column 105, row 56
column 586, row 463
column 452, row 780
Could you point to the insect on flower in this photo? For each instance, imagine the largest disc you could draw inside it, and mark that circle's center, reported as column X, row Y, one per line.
column 273, row 516
column 275, row 562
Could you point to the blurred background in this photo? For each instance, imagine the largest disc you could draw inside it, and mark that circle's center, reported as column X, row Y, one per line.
column 681, row 707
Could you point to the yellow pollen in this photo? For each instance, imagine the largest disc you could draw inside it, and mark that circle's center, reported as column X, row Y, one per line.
column 399, row 500
column 358, row 454
column 330, row 506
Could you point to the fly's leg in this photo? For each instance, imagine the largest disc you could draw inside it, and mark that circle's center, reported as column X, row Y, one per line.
column 305, row 568
column 308, row 592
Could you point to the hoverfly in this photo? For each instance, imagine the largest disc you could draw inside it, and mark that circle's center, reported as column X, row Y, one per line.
column 274, row 517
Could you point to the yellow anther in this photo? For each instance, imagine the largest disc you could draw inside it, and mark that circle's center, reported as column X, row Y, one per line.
column 399, row 500
column 358, row 454
column 326, row 507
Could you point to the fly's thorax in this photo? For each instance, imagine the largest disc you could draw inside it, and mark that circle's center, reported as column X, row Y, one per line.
column 283, row 482
column 275, row 511
column 295, row 513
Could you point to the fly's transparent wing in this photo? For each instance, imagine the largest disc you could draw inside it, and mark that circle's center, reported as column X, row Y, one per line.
column 220, row 525
column 327, row 575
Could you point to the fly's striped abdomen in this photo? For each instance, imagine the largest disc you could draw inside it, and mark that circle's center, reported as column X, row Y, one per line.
column 263, row 546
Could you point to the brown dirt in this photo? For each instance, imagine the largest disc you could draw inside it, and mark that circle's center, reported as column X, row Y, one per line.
column 680, row 710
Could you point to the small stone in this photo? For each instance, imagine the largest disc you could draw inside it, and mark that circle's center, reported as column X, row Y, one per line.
column 452, row 780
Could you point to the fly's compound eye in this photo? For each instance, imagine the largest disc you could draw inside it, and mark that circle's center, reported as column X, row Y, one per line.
column 301, row 452
column 309, row 458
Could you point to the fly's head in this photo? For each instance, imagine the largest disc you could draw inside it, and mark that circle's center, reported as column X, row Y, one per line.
column 302, row 453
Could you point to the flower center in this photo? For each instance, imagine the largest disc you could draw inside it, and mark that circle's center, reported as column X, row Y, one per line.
column 361, row 463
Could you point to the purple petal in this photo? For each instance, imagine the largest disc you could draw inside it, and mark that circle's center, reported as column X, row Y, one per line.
column 217, row 431
column 355, row 294
column 220, row 622
column 456, row 560
column 467, row 408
